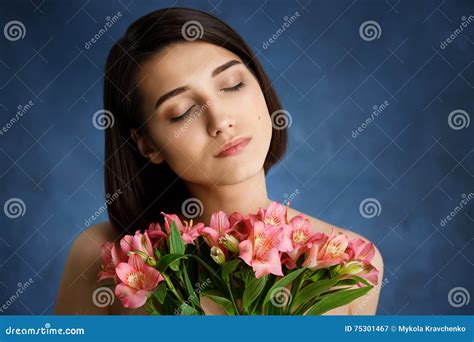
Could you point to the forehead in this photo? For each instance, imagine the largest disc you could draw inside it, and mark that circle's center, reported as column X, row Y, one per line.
column 181, row 63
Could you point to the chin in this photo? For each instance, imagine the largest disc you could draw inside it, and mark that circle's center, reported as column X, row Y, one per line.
column 239, row 173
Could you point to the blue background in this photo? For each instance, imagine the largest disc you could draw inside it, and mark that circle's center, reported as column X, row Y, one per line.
column 328, row 78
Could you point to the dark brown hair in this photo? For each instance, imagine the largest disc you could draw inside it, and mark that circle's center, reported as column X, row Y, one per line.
column 147, row 189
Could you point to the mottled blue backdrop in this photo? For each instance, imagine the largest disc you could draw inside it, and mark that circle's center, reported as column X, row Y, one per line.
column 379, row 93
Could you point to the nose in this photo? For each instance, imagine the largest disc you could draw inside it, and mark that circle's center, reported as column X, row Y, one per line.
column 219, row 118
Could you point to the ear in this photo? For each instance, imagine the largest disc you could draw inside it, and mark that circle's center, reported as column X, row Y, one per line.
column 147, row 151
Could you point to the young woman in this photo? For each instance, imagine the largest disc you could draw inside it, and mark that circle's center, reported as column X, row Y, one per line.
column 183, row 87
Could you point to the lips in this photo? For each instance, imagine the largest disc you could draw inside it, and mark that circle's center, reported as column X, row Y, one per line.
column 233, row 146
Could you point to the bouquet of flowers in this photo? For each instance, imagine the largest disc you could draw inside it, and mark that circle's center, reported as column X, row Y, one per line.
column 261, row 264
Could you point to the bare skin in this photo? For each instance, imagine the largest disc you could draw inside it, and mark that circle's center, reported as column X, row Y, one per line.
column 84, row 260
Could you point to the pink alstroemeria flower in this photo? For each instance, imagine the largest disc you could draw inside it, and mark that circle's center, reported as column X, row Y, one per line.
column 188, row 231
column 360, row 249
column 276, row 214
column 328, row 251
column 218, row 227
column 240, row 225
column 302, row 238
column 112, row 256
column 369, row 273
column 157, row 235
column 139, row 243
column 262, row 249
column 138, row 281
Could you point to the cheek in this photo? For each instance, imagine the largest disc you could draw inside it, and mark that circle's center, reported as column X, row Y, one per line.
column 262, row 116
column 258, row 122
column 182, row 152
column 254, row 107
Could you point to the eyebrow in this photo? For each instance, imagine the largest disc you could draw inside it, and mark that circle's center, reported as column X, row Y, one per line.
column 183, row 89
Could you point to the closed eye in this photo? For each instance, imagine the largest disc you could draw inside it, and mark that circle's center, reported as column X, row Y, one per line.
column 181, row 117
column 234, row 88
column 231, row 89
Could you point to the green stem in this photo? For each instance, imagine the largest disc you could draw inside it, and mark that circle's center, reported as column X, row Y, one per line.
column 203, row 263
column 172, row 288
column 300, row 283
column 233, row 300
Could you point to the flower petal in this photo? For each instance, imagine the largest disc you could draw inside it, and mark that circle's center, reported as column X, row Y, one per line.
column 131, row 298
column 220, row 222
column 271, row 264
column 126, row 243
column 246, row 251
column 123, row 270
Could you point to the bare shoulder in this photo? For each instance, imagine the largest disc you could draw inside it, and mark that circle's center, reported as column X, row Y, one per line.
column 366, row 305
column 79, row 279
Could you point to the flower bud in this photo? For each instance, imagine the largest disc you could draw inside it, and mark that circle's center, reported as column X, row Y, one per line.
column 151, row 261
column 352, row 268
column 148, row 259
column 217, row 255
column 230, row 243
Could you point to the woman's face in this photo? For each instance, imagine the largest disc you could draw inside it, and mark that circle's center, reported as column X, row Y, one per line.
column 217, row 101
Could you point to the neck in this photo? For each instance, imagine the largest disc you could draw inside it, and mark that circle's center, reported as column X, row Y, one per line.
column 245, row 197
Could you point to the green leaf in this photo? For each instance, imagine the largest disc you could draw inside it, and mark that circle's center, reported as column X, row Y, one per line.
column 189, row 287
column 274, row 310
column 176, row 242
column 228, row 268
column 252, row 292
column 334, row 271
column 222, row 301
column 187, row 310
column 157, row 253
column 361, row 280
column 279, row 284
column 150, row 308
column 347, row 282
column 160, row 292
column 317, row 275
column 167, row 260
column 337, row 299
column 213, row 273
column 312, row 291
